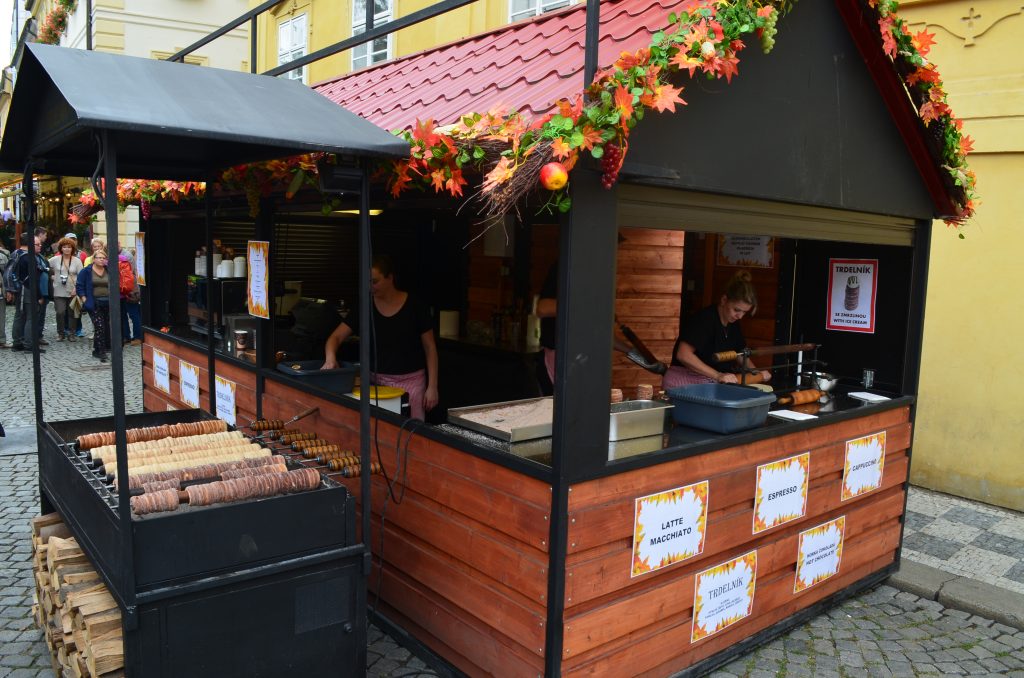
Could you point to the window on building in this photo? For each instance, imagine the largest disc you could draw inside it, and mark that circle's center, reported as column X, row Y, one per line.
column 292, row 44
column 524, row 9
column 380, row 48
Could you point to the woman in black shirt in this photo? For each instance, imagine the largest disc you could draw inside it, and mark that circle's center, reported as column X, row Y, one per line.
column 713, row 330
column 403, row 352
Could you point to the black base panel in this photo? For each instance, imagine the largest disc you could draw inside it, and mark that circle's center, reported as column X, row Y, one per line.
column 304, row 622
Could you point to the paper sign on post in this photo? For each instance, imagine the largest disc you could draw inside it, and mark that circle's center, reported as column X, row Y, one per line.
column 225, row 399
column 161, row 371
column 258, row 272
column 852, row 288
column 669, row 527
column 819, row 552
column 862, row 470
column 749, row 251
column 140, row 257
column 781, row 492
column 188, row 375
column 723, row 595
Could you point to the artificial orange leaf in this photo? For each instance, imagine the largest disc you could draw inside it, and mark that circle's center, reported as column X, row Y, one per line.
column 888, row 41
column 455, row 184
column 639, row 58
column 927, row 74
column 666, row 97
column 923, row 41
column 572, row 110
column 729, row 66
column 765, row 12
column 686, row 62
column 559, row 148
column 623, row 101
column 966, row 144
column 437, row 180
column 501, row 173
column 591, row 137
column 424, row 132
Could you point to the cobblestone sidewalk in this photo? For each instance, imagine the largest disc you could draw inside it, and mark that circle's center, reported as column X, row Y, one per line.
column 965, row 538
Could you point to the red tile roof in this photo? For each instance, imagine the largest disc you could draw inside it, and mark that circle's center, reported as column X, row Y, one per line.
column 526, row 66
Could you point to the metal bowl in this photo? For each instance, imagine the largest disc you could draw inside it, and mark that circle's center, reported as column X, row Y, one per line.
column 823, row 381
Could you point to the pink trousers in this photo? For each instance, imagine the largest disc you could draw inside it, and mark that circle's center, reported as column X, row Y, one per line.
column 413, row 383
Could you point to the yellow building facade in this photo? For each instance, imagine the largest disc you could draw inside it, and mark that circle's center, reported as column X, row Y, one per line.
column 298, row 27
column 969, row 439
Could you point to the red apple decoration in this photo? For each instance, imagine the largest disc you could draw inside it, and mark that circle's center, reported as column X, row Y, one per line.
column 553, row 176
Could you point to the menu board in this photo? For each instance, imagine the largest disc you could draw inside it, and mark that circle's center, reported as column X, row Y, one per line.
column 819, row 552
column 188, row 375
column 781, row 493
column 852, row 287
column 225, row 399
column 669, row 527
column 140, row 257
column 723, row 595
column 865, row 461
column 258, row 272
column 161, row 371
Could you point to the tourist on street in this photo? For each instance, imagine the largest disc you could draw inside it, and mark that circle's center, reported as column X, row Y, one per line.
column 95, row 244
column 18, row 293
column 93, row 288
column 5, row 257
column 64, row 270
column 131, row 309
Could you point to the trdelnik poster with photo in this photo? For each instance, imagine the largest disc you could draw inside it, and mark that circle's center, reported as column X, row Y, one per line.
column 669, row 527
column 852, row 289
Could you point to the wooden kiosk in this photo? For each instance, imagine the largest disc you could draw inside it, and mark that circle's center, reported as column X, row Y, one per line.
column 526, row 560
column 251, row 588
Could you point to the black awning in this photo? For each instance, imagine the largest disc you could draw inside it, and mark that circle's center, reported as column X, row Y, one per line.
column 169, row 120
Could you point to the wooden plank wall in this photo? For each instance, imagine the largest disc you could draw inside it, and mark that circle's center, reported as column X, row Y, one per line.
column 465, row 544
column 615, row 625
column 648, row 284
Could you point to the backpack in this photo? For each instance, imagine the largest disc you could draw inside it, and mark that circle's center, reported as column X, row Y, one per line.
column 11, row 282
column 127, row 278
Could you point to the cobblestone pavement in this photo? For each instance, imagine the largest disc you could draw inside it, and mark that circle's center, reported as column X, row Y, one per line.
column 965, row 538
column 882, row 632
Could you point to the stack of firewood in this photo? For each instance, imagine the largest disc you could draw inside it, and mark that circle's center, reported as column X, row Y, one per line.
column 79, row 618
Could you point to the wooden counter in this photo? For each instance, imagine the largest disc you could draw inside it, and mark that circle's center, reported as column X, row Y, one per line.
column 466, row 556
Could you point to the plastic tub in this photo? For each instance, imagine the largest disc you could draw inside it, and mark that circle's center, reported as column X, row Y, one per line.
column 722, row 408
column 339, row 380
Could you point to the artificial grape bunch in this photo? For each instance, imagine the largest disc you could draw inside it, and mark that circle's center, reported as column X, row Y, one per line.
column 611, row 162
column 144, row 207
column 768, row 32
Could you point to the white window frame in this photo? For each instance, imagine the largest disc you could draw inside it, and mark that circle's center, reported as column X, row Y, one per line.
column 297, row 25
column 536, row 8
column 362, row 56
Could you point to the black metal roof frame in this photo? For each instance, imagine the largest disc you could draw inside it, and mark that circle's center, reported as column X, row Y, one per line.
column 170, row 120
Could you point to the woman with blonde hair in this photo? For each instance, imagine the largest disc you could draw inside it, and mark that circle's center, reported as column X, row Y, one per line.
column 713, row 330
column 64, row 270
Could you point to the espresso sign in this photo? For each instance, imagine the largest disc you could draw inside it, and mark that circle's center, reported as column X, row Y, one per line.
column 188, row 381
column 781, row 493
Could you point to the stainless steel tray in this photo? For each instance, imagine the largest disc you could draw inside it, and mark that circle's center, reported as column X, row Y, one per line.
column 512, row 434
column 637, row 419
